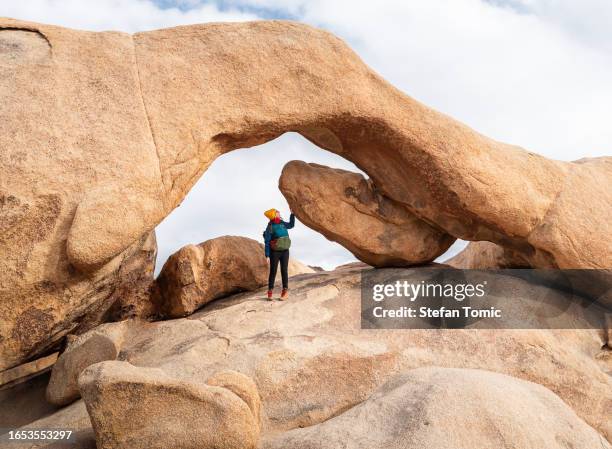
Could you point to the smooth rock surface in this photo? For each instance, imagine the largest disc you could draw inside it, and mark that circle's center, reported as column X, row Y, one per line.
column 310, row 360
column 346, row 208
column 145, row 408
column 107, row 132
column 73, row 417
column 24, row 402
column 433, row 408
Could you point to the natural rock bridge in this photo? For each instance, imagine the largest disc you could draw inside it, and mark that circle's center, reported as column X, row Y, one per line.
column 103, row 134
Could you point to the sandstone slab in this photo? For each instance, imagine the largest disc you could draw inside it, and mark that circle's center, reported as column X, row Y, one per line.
column 26, row 371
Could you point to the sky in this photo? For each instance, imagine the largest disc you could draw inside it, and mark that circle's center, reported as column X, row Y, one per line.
column 534, row 73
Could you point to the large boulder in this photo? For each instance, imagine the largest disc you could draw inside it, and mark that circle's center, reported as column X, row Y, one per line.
column 347, row 208
column 72, row 122
column 145, row 408
column 105, row 133
column 433, row 408
column 197, row 274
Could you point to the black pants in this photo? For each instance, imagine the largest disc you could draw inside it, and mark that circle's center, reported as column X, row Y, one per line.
column 283, row 258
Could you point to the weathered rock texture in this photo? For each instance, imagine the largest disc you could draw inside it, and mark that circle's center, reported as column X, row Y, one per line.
column 346, row 208
column 99, row 344
column 136, row 294
column 486, row 255
column 197, row 274
column 105, row 133
column 72, row 121
column 22, row 373
column 311, row 361
column 433, row 408
column 145, row 408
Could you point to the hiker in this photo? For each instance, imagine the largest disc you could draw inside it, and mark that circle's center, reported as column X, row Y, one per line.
column 277, row 249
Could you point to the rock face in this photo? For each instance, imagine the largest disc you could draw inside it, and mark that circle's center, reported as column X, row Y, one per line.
column 136, row 294
column 346, row 208
column 72, row 123
column 37, row 317
column 197, row 274
column 432, row 408
column 486, row 255
column 592, row 284
column 145, row 408
column 106, row 125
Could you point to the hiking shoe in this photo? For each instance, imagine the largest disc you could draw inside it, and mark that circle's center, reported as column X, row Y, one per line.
column 284, row 295
column 269, row 295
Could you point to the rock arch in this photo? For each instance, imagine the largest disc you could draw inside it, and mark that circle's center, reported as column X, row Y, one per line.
column 209, row 89
column 119, row 127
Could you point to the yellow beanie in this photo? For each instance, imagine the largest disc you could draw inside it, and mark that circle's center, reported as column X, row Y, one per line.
column 270, row 213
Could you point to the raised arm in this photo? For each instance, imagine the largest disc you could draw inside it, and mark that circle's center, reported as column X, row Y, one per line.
column 291, row 222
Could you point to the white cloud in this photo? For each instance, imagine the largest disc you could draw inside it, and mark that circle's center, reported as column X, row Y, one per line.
column 529, row 72
column 586, row 20
column 122, row 15
column 520, row 75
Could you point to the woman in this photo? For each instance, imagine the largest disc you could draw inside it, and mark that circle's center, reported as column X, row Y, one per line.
column 277, row 249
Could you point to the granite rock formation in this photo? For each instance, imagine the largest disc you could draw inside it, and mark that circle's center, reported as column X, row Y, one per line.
column 104, row 133
column 346, row 208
